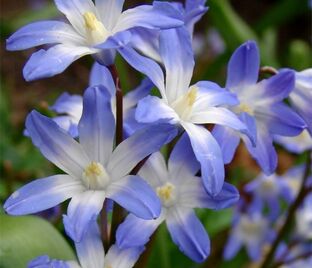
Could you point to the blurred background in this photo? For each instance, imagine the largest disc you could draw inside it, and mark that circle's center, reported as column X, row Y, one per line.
column 283, row 30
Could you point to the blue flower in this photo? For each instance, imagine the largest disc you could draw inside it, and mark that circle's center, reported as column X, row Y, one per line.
column 70, row 106
column 180, row 191
column 268, row 190
column 260, row 107
column 94, row 170
column 90, row 25
column 189, row 106
column 91, row 254
column 251, row 231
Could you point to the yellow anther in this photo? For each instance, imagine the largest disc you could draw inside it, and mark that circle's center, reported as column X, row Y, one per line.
column 91, row 21
column 95, row 176
column 166, row 193
column 191, row 95
column 246, row 108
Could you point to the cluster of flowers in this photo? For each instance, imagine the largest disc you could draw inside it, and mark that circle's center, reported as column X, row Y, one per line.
column 156, row 40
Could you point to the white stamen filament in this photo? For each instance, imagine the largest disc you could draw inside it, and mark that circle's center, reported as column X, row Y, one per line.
column 95, row 30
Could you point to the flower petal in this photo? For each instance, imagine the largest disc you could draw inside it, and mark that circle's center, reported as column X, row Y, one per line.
column 233, row 245
column 195, row 196
column 122, row 258
column 100, row 75
column 182, row 160
column 136, row 196
column 42, row 194
column 56, row 145
column 110, row 11
column 68, row 104
column 177, row 56
column 97, row 124
column 47, row 63
column 152, row 109
column 208, row 153
column 132, row 150
column 129, row 235
column 133, row 97
column 144, row 65
column 264, row 152
column 82, row 210
column 154, row 170
column 43, row 32
column 188, row 233
column 228, row 141
column 210, row 94
column 243, row 67
column 158, row 16
column 194, row 10
column 281, row 119
column 90, row 249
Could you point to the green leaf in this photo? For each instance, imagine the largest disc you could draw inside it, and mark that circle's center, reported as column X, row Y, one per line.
column 299, row 55
column 25, row 238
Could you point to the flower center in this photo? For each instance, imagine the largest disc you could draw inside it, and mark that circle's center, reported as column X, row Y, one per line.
column 95, row 30
column 95, row 176
column 243, row 107
column 251, row 229
column 184, row 105
column 166, row 193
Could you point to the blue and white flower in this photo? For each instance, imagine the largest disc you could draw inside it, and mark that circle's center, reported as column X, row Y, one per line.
column 94, row 170
column 268, row 191
column 260, row 107
column 180, row 192
column 91, row 29
column 91, row 254
column 251, row 231
column 70, row 106
column 189, row 106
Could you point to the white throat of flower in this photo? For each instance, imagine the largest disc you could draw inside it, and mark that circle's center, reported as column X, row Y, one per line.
column 244, row 108
column 95, row 176
column 167, row 194
column 251, row 229
column 96, row 33
column 184, row 105
column 268, row 187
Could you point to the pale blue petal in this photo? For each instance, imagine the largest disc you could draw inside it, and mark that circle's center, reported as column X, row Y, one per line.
column 281, row 119
column 243, row 67
column 43, row 32
column 100, row 75
column 56, row 145
column 115, row 41
column 90, row 249
column 82, row 210
column 47, row 63
column 228, row 141
column 134, row 232
column 182, row 160
column 42, row 194
column 208, row 153
column 278, row 87
column 250, row 123
column 254, row 250
column 68, row 104
column 146, row 66
column 122, row 258
column 136, row 196
column 232, row 247
column 264, row 152
column 188, row 233
column 97, row 124
column 194, row 10
column 152, row 109
column 46, row 262
column 141, row 91
column 211, row 94
column 109, row 11
column 134, row 149
column 177, row 56
column 158, row 16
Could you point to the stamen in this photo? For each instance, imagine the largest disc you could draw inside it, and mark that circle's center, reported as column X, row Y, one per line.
column 243, row 107
column 95, row 30
column 166, row 193
column 95, row 176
